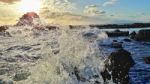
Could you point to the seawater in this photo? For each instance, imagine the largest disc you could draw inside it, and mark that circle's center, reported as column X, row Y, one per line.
column 140, row 72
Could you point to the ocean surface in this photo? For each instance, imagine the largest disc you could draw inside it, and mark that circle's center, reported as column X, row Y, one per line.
column 64, row 56
column 140, row 73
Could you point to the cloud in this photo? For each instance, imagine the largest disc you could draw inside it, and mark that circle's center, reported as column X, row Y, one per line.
column 9, row 1
column 109, row 2
column 92, row 10
column 58, row 6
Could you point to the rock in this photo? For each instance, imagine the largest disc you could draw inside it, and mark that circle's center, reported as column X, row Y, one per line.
column 127, row 40
column 52, row 27
column 3, row 28
column 119, row 64
column 117, row 33
column 132, row 35
column 21, row 76
column 143, row 35
column 116, row 44
column 147, row 60
column 105, row 75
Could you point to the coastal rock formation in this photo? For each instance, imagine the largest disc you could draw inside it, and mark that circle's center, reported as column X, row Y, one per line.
column 3, row 28
column 30, row 18
column 117, row 33
column 119, row 63
column 143, row 35
column 132, row 35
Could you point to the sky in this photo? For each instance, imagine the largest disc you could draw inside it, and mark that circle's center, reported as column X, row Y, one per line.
column 77, row 11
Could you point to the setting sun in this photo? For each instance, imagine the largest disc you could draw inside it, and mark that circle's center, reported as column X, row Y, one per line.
column 30, row 6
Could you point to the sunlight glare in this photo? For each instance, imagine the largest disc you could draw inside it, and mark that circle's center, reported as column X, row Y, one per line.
column 30, row 6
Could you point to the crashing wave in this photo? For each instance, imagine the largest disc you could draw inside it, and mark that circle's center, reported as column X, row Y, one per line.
column 56, row 56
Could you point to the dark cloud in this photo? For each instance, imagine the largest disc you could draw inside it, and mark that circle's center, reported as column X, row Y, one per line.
column 9, row 1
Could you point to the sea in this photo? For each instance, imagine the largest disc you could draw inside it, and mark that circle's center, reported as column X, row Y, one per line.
column 64, row 55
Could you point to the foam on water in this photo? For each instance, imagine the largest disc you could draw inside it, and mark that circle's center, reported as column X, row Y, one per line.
column 60, row 50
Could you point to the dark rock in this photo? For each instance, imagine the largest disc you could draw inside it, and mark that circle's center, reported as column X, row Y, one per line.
column 127, row 40
column 116, row 44
column 117, row 33
column 21, row 76
column 105, row 75
column 3, row 28
column 90, row 35
column 143, row 35
column 97, row 82
column 147, row 60
column 52, row 27
column 132, row 35
column 119, row 63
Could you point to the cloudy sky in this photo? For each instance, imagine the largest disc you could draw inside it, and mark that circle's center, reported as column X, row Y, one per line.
column 77, row 11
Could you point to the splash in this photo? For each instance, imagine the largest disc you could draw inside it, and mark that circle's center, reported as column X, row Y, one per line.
column 66, row 56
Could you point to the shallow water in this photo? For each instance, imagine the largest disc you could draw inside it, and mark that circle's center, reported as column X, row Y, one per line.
column 140, row 73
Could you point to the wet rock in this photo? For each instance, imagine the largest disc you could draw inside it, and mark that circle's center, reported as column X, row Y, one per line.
column 90, row 35
column 105, row 75
column 2, row 81
column 97, row 82
column 147, row 60
column 143, row 35
column 116, row 44
column 119, row 64
column 132, row 35
column 52, row 27
column 127, row 40
column 21, row 76
column 117, row 33
column 3, row 28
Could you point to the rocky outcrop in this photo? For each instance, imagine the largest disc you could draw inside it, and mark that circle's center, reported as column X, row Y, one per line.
column 132, row 35
column 3, row 28
column 117, row 33
column 119, row 63
column 30, row 18
column 143, row 35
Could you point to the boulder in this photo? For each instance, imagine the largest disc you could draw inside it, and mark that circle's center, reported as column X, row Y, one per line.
column 116, row 44
column 132, row 35
column 143, row 35
column 147, row 60
column 117, row 33
column 119, row 63
column 127, row 40
column 3, row 28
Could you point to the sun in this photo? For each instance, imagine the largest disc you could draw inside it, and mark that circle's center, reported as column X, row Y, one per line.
column 30, row 6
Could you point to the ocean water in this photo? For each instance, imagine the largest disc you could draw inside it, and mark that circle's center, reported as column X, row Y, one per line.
column 140, row 72
column 51, row 56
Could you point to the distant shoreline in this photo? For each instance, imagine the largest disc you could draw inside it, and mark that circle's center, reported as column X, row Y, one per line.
column 122, row 26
